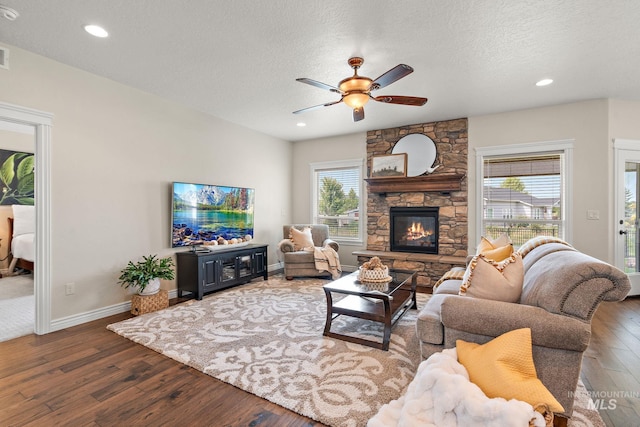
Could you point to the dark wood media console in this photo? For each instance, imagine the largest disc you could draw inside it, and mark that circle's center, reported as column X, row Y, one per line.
column 199, row 273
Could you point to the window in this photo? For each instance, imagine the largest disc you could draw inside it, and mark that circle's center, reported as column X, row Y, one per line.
column 337, row 199
column 523, row 191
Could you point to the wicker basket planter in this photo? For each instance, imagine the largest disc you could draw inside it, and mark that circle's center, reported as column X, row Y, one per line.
column 141, row 304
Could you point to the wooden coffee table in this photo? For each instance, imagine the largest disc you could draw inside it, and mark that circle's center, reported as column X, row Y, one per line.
column 380, row 302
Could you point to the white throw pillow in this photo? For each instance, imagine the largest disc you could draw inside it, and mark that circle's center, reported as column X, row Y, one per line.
column 498, row 281
column 24, row 219
column 302, row 240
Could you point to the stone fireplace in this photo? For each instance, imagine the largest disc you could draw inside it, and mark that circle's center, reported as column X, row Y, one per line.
column 414, row 229
column 444, row 190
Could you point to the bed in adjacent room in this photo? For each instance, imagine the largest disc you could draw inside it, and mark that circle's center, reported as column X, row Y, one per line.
column 22, row 237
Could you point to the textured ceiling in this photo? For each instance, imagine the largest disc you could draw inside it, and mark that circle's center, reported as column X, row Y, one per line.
column 238, row 60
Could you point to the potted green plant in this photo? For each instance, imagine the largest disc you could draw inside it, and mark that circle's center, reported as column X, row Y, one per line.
column 145, row 275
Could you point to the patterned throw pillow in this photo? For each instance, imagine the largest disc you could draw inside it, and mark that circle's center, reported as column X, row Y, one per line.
column 504, row 367
column 302, row 240
column 456, row 273
column 534, row 242
column 498, row 281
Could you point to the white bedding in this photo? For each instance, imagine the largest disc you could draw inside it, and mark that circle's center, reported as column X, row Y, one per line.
column 23, row 246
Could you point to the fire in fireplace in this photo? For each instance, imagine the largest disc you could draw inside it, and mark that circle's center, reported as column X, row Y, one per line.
column 414, row 229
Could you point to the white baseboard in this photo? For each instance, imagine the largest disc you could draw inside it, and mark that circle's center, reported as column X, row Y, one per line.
column 277, row 266
column 89, row 316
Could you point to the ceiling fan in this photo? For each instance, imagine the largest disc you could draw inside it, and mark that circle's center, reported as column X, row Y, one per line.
column 356, row 90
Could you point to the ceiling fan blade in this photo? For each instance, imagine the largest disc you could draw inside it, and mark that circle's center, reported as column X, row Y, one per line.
column 358, row 114
column 319, row 84
column 394, row 74
column 404, row 100
column 317, row 106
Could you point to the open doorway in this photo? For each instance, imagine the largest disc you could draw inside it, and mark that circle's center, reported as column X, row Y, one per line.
column 39, row 122
column 17, row 230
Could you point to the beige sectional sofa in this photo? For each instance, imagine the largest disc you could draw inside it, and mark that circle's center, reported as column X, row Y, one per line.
column 561, row 290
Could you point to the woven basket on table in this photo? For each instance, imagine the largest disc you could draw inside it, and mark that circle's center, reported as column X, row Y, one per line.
column 380, row 275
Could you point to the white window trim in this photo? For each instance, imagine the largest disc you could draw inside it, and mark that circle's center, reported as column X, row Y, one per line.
column 341, row 164
column 565, row 146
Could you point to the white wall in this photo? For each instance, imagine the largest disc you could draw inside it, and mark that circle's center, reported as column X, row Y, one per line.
column 344, row 147
column 115, row 151
column 624, row 119
column 584, row 122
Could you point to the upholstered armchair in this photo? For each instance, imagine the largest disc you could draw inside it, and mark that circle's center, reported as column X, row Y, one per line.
column 299, row 261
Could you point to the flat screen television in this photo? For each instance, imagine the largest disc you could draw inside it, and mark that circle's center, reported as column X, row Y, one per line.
column 202, row 214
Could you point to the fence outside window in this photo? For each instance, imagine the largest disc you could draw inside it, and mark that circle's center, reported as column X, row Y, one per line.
column 341, row 226
column 520, row 232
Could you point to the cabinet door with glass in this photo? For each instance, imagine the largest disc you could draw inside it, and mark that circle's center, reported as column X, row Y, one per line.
column 226, row 269
column 245, row 265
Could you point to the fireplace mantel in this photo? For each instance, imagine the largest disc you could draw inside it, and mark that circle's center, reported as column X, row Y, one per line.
column 437, row 182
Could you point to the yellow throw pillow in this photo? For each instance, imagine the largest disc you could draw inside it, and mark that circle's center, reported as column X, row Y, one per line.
column 502, row 240
column 497, row 250
column 301, row 239
column 498, row 281
column 504, row 367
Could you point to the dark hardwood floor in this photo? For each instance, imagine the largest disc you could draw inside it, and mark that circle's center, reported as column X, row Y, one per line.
column 89, row 376
column 611, row 364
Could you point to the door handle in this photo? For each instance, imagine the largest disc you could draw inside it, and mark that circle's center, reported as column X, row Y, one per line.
column 623, row 232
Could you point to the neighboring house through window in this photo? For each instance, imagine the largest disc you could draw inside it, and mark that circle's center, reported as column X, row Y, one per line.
column 523, row 190
column 337, row 199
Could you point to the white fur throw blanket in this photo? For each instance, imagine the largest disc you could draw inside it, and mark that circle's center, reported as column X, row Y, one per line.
column 442, row 395
column 327, row 259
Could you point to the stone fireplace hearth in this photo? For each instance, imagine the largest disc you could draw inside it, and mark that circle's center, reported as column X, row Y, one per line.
column 444, row 190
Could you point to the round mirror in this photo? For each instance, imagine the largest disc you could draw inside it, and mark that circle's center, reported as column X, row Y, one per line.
column 421, row 153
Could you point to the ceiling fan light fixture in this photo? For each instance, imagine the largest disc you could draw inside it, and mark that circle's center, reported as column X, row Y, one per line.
column 356, row 90
column 356, row 100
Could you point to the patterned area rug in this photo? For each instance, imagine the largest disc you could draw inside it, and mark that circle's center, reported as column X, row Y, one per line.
column 266, row 338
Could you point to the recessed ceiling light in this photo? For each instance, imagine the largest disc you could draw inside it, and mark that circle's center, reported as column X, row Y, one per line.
column 544, row 82
column 8, row 13
column 301, row 124
column 96, row 30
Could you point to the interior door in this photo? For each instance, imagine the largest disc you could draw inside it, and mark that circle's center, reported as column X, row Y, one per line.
column 627, row 195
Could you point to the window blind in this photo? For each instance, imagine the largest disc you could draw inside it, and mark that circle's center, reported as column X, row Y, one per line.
column 523, row 196
column 338, row 200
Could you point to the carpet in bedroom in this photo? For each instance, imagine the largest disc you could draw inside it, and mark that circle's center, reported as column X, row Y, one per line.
column 17, row 306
